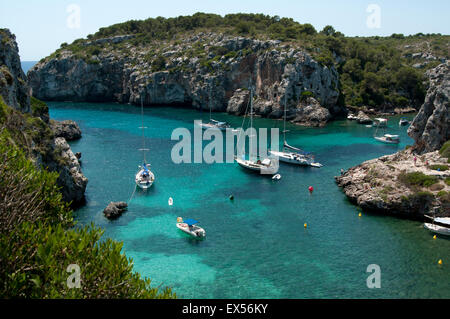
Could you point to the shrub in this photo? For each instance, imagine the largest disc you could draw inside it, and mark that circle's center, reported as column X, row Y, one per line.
column 38, row 108
column 218, row 51
column 158, row 64
column 445, row 150
column 417, row 179
column 305, row 95
column 439, row 167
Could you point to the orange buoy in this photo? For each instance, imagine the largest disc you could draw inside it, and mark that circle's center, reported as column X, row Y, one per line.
column 311, row 189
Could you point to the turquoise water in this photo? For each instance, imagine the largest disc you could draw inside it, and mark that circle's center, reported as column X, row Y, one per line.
column 256, row 245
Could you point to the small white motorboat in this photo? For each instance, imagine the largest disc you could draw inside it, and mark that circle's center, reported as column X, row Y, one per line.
column 189, row 226
column 388, row 139
column 380, row 122
column 352, row 117
column 437, row 229
column 403, row 122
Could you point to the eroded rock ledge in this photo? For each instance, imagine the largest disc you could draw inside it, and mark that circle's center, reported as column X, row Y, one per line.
column 67, row 129
column 381, row 185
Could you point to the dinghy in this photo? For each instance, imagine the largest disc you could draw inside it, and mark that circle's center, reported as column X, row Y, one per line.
column 189, row 226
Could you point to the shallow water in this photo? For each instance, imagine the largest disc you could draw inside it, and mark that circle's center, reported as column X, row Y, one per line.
column 256, row 245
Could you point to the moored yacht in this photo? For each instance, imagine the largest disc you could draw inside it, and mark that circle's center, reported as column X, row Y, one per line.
column 291, row 154
column 263, row 166
column 144, row 177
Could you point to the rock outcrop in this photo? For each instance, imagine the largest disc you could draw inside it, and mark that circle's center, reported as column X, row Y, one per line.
column 67, row 129
column 13, row 86
column 363, row 118
column 115, row 209
column 430, row 128
column 376, row 185
column 311, row 113
column 71, row 178
column 46, row 151
column 217, row 76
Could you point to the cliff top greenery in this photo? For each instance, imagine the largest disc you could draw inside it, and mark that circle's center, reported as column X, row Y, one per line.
column 374, row 71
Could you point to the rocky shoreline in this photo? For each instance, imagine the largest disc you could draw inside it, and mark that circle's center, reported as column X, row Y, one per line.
column 382, row 185
column 414, row 182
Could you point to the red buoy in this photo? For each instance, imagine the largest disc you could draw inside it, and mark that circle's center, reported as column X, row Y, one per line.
column 311, row 189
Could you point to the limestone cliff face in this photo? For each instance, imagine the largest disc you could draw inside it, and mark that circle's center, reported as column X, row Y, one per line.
column 13, row 86
column 45, row 150
column 430, row 128
column 189, row 78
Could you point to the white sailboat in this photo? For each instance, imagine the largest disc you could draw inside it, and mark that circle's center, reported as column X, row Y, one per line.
column 264, row 166
column 214, row 124
column 144, row 177
column 290, row 154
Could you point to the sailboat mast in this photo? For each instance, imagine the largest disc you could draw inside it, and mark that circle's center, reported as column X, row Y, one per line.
column 143, row 135
column 251, row 122
column 284, row 120
column 210, row 117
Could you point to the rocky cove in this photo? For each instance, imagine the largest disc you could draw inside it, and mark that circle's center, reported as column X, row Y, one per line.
column 220, row 80
column 414, row 182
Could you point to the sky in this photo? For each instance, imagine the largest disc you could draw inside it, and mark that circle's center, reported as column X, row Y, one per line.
column 41, row 26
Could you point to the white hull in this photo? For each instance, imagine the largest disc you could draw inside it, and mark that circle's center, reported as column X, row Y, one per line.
column 293, row 158
column 194, row 231
column 251, row 165
column 207, row 126
column 144, row 183
column 386, row 141
column 437, row 229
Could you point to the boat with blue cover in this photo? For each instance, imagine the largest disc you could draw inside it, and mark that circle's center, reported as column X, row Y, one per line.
column 190, row 227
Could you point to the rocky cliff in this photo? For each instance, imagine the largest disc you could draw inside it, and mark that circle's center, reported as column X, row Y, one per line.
column 26, row 121
column 206, row 69
column 13, row 86
column 430, row 128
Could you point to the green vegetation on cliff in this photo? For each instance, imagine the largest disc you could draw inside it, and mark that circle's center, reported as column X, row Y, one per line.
column 38, row 240
column 374, row 71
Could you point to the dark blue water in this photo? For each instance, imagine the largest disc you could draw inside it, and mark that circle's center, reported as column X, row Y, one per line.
column 256, row 245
